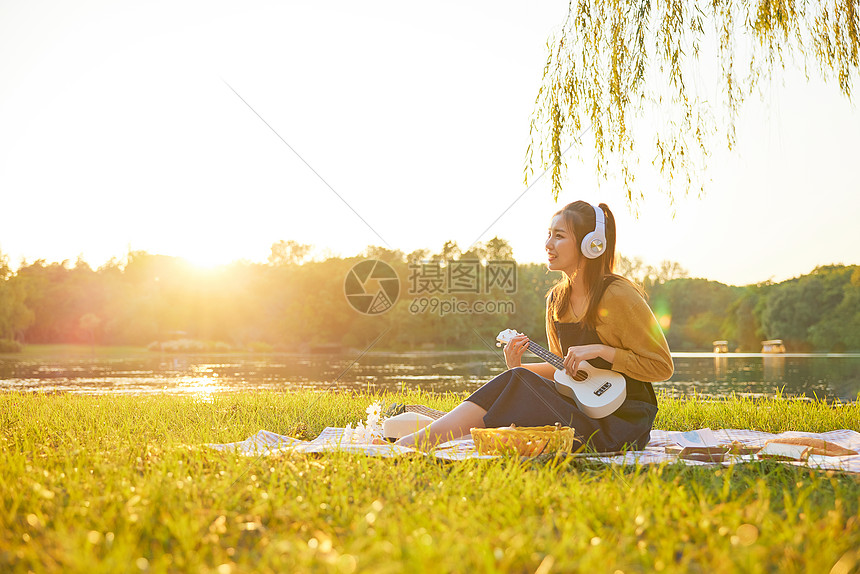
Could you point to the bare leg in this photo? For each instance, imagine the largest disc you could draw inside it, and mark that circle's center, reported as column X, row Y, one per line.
column 453, row 425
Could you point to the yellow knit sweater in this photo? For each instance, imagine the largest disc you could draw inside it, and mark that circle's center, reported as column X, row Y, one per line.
column 627, row 323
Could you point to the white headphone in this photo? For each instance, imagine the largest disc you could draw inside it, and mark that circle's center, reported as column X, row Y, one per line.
column 594, row 243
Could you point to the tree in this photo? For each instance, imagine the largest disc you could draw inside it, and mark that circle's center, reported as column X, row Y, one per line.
column 633, row 269
column 839, row 330
column 741, row 326
column 88, row 324
column 418, row 256
column 383, row 254
column 795, row 306
column 692, row 311
column 15, row 316
column 615, row 62
column 499, row 250
column 286, row 252
column 476, row 253
column 450, row 252
column 647, row 275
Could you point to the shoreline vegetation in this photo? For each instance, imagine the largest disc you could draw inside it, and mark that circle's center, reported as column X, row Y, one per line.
column 107, row 483
column 444, row 300
column 207, row 348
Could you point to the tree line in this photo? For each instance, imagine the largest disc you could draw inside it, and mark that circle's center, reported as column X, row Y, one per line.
column 446, row 300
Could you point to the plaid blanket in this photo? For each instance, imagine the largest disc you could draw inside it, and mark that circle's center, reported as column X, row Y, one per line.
column 268, row 443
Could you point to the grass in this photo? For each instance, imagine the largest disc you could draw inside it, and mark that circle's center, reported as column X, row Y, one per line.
column 117, row 483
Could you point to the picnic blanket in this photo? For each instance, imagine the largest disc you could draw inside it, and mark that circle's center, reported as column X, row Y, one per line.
column 266, row 443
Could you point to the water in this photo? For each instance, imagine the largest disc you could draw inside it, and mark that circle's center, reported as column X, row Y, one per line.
column 825, row 376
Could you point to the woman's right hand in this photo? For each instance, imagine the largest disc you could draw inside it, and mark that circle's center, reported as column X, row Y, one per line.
column 514, row 351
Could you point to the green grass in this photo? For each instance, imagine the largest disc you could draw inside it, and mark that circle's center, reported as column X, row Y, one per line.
column 115, row 483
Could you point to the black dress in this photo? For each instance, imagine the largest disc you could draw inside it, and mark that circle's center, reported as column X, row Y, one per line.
column 519, row 396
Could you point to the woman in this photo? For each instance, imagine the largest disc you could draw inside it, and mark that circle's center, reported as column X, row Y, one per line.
column 592, row 315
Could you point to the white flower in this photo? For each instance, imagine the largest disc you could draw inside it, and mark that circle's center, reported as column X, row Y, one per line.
column 363, row 433
column 374, row 410
column 374, row 416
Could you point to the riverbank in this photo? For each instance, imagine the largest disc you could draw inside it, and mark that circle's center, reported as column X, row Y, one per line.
column 124, row 370
column 69, row 350
column 106, row 483
column 218, row 349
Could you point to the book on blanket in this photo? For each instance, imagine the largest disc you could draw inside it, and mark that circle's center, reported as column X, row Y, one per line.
column 702, row 444
column 814, row 445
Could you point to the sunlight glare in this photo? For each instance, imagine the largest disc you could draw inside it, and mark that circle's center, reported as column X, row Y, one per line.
column 206, row 260
column 201, row 389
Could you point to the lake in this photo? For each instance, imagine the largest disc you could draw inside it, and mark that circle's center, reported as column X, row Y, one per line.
column 831, row 376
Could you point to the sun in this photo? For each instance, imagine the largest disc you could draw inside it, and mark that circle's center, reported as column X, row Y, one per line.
column 209, row 259
column 210, row 252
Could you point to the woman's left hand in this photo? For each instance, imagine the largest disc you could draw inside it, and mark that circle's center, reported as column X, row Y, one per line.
column 575, row 355
column 514, row 351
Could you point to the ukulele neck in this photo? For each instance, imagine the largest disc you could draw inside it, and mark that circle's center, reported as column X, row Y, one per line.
column 546, row 355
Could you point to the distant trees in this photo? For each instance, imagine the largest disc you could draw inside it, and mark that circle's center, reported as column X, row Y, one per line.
column 647, row 275
column 498, row 249
column 839, row 326
column 88, row 324
column 294, row 302
column 742, row 324
column 814, row 311
column 692, row 311
column 288, row 252
column 819, row 311
column 58, row 295
column 15, row 316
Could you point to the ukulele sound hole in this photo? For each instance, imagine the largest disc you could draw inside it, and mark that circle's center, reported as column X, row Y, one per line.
column 580, row 376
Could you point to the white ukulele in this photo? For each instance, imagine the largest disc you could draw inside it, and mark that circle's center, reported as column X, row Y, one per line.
column 597, row 392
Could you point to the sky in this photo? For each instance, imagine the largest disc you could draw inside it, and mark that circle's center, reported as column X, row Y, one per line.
column 211, row 130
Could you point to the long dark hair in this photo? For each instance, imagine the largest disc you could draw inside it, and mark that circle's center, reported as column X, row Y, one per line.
column 580, row 219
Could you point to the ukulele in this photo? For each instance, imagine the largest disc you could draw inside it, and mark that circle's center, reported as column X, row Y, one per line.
column 597, row 392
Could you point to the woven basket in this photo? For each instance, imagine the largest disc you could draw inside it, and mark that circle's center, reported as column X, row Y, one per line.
column 524, row 441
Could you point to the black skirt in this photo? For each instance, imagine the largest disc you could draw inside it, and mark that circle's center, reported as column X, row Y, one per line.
column 520, row 397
